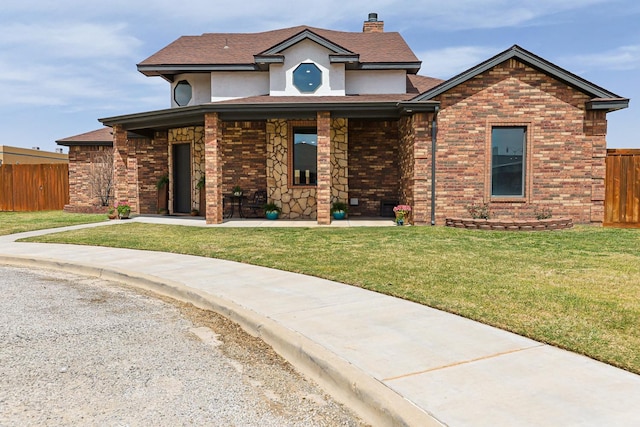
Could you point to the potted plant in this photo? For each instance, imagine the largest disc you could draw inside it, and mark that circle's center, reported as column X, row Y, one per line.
column 339, row 210
column 402, row 212
column 203, row 194
column 194, row 212
column 237, row 191
column 112, row 214
column 124, row 210
column 272, row 211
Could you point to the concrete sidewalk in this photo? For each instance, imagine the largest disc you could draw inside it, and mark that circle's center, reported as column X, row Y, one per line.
column 394, row 362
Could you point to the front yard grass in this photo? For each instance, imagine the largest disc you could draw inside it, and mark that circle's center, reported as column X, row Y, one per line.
column 18, row 222
column 577, row 289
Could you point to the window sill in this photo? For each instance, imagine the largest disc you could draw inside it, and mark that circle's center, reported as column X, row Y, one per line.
column 302, row 187
column 497, row 199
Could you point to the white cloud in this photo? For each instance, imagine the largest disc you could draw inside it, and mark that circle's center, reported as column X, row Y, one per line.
column 77, row 40
column 622, row 58
column 448, row 62
column 65, row 64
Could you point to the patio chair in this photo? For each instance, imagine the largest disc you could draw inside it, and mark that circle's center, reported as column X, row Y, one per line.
column 256, row 203
column 227, row 207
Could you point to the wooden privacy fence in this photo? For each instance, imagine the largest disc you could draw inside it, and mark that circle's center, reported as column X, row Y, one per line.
column 622, row 192
column 34, row 187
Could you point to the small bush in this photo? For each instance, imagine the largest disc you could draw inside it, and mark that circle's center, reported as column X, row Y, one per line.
column 542, row 213
column 479, row 211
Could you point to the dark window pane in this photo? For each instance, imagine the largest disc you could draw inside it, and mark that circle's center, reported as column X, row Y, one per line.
column 508, row 146
column 182, row 93
column 305, row 156
column 307, row 77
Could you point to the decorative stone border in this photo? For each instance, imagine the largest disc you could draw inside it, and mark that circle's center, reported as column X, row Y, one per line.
column 510, row 225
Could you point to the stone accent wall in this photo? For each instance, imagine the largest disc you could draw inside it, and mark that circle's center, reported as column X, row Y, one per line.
column 339, row 161
column 244, row 156
column 193, row 135
column 374, row 171
column 296, row 203
column 301, row 202
column 566, row 145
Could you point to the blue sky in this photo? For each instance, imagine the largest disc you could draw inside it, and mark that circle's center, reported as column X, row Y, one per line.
column 69, row 62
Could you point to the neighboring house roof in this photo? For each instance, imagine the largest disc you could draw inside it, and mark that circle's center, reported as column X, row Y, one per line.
column 602, row 98
column 250, row 51
column 103, row 136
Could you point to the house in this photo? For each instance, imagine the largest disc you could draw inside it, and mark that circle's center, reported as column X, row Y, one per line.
column 86, row 151
column 28, row 156
column 316, row 116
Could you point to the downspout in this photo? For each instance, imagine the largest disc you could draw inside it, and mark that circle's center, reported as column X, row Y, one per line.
column 434, row 133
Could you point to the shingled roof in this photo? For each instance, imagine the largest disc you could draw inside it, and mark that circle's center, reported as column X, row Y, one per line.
column 238, row 51
column 102, row 136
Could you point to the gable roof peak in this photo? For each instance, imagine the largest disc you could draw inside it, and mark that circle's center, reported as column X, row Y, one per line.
column 306, row 33
column 533, row 61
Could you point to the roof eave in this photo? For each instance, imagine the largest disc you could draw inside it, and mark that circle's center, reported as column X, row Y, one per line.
column 186, row 116
column 608, row 104
column 85, row 143
column 527, row 58
column 409, row 67
column 169, row 70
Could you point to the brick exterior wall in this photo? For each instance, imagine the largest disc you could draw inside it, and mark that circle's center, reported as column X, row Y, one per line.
column 138, row 165
column 152, row 162
column 566, row 145
column 374, row 171
column 324, row 168
column 244, row 156
column 80, row 198
column 213, row 167
column 415, row 166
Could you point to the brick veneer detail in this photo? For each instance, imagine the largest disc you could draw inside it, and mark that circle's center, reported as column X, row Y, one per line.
column 244, row 156
column 80, row 197
column 510, row 225
column 374, row 172
column 213, row 168
column 567, row 144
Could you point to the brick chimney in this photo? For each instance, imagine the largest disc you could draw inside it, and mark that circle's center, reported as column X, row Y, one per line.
column 372, row 25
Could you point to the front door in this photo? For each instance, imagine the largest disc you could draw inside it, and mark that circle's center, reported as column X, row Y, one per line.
column 182, row 178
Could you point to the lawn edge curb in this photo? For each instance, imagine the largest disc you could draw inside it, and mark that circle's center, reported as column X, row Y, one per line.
column 372, row 400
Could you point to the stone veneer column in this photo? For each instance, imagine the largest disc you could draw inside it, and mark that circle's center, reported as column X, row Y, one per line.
column 339, row 161
column 213, row 168
column 323, row 194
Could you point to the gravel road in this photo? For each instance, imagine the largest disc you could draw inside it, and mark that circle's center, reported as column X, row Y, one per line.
column 83, row 351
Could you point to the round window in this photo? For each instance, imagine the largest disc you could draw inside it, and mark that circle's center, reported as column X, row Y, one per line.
column 307, row 77
column 182, row 93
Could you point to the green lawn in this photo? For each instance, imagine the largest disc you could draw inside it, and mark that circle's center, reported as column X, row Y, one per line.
column 18, row 222
column 578, row 289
